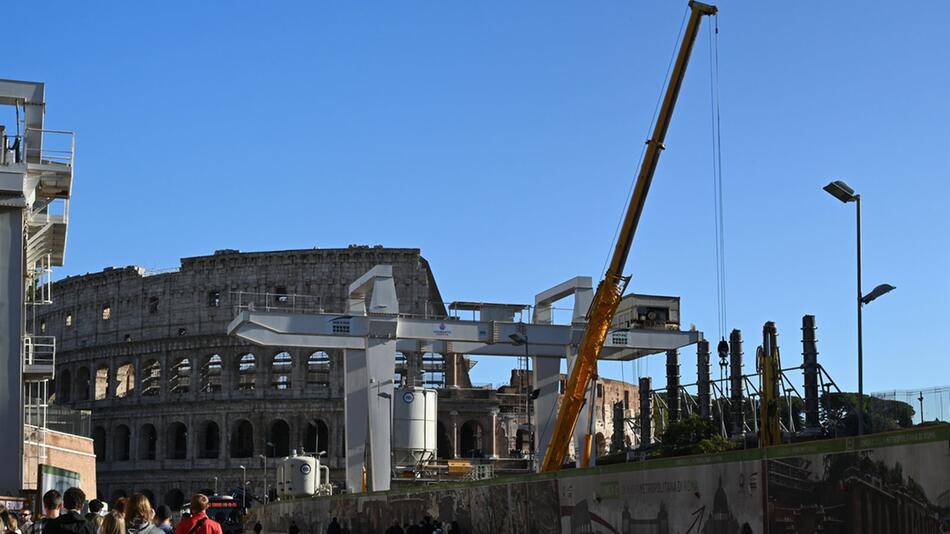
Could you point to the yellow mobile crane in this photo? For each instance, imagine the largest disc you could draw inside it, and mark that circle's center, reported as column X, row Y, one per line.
column 611, row 288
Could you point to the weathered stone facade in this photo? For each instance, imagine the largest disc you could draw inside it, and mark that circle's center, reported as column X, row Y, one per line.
column 178, row 404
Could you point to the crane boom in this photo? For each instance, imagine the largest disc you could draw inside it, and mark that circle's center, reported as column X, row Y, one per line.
column 611, row 288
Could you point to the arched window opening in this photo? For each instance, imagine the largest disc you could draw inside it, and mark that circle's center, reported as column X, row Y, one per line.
column 179, row 377
column 601, row 444
column 106, row 312
column 280, row 370
column 150, row 496
column 102, row 382
column 124, row 380
column 247, row 372
column 120, row 443
column 443, row 443
column 99, row 443
column 279, row 436
column 242, row 440
column 318, row 437
column 151, row 378
column 148, row 442
column 69, row 320
column 153, row 305
column 210, row 376
column 118, row 494
column 82, row 384
column 65, row 385
column 522, row 439
column 318, row 369
column 209, row 440
column 176, row 442
column 433, row 370
column 174, row 498
column 470, row 440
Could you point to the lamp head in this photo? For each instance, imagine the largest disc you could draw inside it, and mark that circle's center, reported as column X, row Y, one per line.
column 877, row 292
column 841, row 191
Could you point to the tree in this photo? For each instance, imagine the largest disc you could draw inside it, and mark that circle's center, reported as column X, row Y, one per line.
column 693, row 435
column 880, row 415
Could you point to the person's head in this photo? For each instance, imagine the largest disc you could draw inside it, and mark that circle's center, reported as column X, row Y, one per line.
column 199, row 503
column 26, row 515
column 11, row 522
column 112, row 524
column 139, row 508
column 73, row 499
column 95, row 506
column 163, row 514
column 119, row 506
column 52, row 500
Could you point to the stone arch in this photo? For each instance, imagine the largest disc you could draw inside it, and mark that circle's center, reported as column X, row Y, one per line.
column 209, row 440
column 148, row 442
column 279, row 435
column 247, row 372
column 151, row 378
column 443, row 443
column 176, row 441
column 600, row 444
column 281, row 368
column 318, row 437
column 124, row 380
column 209, row 376
column 242, row 439
column 471, row 439
column 102, row 382
column 82, row 384
column 318, row 369
column 174, row 498
column 179, row 376
column 64, row 385
column 99, row 443
column 121, row 443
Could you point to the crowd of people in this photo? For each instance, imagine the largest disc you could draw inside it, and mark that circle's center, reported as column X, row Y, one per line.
column 63, row 514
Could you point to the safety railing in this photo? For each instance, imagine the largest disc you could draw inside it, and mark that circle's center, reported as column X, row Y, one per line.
column 284, row 302
column 39, row 351
column 56, row 147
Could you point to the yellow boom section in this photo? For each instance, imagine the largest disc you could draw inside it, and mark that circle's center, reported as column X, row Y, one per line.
column 611, row 288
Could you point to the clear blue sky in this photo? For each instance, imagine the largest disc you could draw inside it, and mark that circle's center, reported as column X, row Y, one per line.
column 501, row 139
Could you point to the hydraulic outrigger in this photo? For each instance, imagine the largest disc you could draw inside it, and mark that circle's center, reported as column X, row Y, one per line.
column 611, row 288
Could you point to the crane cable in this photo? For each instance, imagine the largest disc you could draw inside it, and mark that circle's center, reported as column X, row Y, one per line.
column 717, row 178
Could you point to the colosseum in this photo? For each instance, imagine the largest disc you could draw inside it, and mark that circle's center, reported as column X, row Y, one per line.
column 178, row 406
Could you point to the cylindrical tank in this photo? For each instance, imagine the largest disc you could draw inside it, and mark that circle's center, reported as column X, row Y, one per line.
column 414, row 426
column 297, row 476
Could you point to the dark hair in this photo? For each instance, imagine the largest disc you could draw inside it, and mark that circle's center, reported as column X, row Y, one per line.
column 73, row 499
column 95, row 506
column 52, row 500
column 163, row 512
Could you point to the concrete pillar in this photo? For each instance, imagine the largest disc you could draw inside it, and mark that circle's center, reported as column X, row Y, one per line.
column 11, row 357
column 702, row 379
column 646, row 411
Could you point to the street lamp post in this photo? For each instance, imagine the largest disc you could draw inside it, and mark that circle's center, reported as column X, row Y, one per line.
column 845, row 194
column 215, row 485
column 244, row 486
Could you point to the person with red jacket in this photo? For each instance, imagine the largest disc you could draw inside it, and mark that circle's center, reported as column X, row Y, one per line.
column 199, row 522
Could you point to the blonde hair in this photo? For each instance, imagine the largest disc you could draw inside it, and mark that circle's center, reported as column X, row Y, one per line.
column 138, row 507
column 112, row 524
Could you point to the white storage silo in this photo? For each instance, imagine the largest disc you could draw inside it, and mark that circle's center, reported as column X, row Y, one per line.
column 297, row 476
column 414, row 426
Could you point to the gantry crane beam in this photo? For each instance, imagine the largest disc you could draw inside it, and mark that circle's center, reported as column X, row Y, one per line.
column 611, row 288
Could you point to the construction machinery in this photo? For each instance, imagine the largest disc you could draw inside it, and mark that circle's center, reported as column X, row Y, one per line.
column 611, row 288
